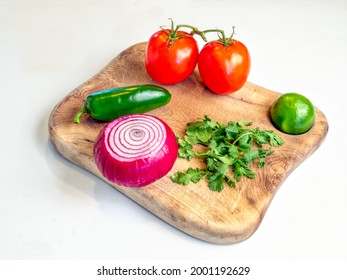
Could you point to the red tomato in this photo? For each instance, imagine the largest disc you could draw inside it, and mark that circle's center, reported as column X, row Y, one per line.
column 171, row 62
column 224, row 69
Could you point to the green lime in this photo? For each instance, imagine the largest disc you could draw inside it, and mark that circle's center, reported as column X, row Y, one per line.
column 292, row 113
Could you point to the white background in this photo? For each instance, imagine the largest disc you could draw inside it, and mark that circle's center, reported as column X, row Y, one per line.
column 51, row 209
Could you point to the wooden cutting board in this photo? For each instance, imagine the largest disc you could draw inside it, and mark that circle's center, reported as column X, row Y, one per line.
column 229, row 216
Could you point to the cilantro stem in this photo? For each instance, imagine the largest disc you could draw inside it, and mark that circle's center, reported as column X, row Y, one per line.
column 244, row 134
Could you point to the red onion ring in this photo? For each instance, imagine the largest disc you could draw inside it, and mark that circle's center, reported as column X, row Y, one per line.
column 135, row 150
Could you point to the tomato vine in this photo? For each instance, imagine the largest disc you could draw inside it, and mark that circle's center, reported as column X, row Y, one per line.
column 173, row 33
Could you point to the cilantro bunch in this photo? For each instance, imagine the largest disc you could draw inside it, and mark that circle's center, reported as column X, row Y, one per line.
column 230, row 149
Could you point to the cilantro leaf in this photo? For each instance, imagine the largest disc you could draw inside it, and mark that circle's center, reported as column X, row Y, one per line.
column 192, row 175
column 274, row 139
column 211, row 123
column 231, row 131
column 240, row 169
column 250, row 155
column 243, row 123
column 185, row 150
column 260, row 137
column 229, row 149
column 229, row 181
column 245, row 141
column 262, row 156
column 233, row 151
column 215, row 182
column 198, row 132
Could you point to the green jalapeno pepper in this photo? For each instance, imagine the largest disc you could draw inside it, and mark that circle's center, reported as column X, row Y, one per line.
column 110, row 104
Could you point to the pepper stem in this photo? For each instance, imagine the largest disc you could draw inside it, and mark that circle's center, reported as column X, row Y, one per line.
column 79, row 114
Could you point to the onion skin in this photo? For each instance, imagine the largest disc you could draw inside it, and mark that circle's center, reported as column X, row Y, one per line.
column 135, row 150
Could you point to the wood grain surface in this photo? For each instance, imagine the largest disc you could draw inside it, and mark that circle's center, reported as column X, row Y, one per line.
column 229, row 216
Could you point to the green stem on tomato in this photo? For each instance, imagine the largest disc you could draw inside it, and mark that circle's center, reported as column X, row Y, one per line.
column 172, row 34
column 221, row 35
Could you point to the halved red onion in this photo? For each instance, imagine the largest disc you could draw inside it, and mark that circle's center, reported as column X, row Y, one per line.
column 135, row 150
